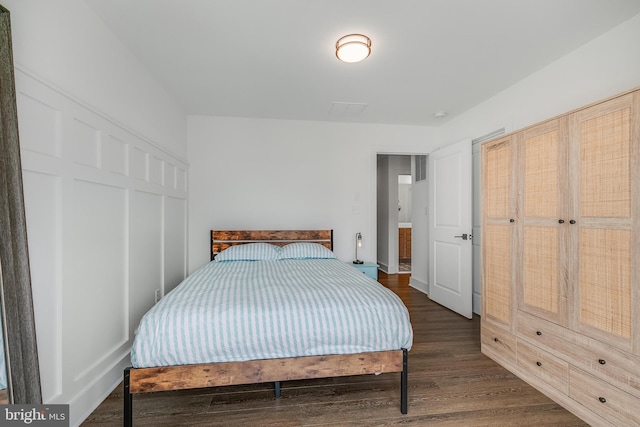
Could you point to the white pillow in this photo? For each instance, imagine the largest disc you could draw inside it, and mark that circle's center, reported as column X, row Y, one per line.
column 250, row 252
column 305, row 250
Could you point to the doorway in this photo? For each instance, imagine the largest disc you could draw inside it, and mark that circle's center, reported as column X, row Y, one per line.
column 404, row 223
column 395, row 213
column 387, row 214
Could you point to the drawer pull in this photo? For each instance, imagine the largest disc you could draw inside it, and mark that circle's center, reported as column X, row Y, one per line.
column 512, row 220
column 602, row 361
column 602, row 400
column 538, row 333
column 539, row 363
column 561, row 221
column 496, row 340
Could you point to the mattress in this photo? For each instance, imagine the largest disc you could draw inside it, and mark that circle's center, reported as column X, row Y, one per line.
column 248, row 310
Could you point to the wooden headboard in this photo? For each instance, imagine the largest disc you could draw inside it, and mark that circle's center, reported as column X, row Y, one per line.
column 222, row 239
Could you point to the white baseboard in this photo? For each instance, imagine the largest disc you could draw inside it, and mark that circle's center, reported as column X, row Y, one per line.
column 419, row 285
column 91, row 397
column 383, row 267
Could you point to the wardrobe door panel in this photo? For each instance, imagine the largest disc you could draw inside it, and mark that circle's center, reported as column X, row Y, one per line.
column 605, row 284
column 497, row 273
column 498, row 232
column 605, row 161
column 544, row 221
column 498, row 158
column 605, row 149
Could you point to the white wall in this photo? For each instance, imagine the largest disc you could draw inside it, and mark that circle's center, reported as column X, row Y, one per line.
column 606, row 66
column 275, row 174
column 105, row 197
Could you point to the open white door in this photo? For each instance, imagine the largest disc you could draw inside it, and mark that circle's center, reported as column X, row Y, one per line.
column 450, row 226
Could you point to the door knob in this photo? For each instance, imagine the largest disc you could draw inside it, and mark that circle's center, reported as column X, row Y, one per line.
column 464, row 236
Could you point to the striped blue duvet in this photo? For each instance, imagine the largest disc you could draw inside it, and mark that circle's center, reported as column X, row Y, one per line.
column 245, row 310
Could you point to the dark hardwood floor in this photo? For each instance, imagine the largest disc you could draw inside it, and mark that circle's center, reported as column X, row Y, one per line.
column 450, row 384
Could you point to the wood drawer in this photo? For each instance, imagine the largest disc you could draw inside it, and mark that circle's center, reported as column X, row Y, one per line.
column 498, row 343
column 611, row 364
column 599, row 396
column 602, row 360
column 548, row 368
column 549, row 336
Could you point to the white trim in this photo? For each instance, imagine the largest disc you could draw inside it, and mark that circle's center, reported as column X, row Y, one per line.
column 488, row 136
column 419, row 285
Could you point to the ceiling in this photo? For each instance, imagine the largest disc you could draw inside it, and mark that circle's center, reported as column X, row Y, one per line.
column 276, row 58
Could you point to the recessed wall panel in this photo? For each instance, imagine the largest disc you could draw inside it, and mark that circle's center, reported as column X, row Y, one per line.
column 181, row 180
column 116, row 156
column 42, row 206
column 140, row 164
column 146, row 253
column 156, row 170
column 175, row 242
column 86, row 143
column 98, row 273
column 170, row 176
column 39, row 126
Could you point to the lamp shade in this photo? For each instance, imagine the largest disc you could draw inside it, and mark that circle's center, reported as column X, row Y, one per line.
column 353, row 48
column 358, row 245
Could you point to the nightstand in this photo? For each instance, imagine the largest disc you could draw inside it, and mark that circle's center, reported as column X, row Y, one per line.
column 368, row 268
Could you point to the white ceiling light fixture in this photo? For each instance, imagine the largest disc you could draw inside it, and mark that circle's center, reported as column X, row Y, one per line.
column 353, row 48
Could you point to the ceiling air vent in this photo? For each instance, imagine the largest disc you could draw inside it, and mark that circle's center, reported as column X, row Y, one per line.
column 347, row 109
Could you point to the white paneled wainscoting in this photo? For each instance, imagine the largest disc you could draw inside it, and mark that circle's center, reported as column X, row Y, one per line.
column 106, row 218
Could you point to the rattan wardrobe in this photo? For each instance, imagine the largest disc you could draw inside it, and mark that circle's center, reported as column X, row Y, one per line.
column 561, row 258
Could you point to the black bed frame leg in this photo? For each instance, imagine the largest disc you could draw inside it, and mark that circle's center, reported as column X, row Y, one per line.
column 404, row 380
column 277, row 389
column 128, row 401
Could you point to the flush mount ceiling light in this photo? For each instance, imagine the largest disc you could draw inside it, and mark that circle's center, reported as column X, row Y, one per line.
column 353, row 48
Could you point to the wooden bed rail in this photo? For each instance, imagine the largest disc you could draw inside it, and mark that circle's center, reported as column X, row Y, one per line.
column 146, row 380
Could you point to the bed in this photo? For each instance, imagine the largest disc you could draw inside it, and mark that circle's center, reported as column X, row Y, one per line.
column 272, row 306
